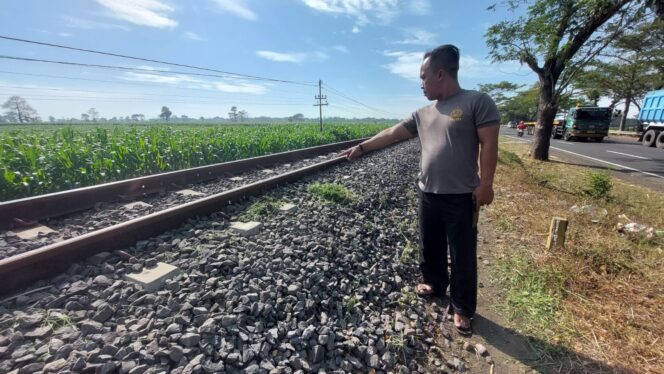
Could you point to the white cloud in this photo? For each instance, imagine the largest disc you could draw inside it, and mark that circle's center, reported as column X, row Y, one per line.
column 419, row 7
column 405, row 64
column 65, row 34
column 152, row 13
column 341, row 48
column 296, row 58
column 240, row 88
column 77, row 23
column 363, row 11
column 236, row 7
column 417, row 36
column 229, row 85
column 355, row 30
column 192, row 35
column 471, row 67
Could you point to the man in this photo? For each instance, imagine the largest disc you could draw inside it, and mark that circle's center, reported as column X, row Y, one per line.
column 451, row 132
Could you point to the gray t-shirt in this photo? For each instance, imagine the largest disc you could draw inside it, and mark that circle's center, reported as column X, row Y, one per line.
column 450, row 145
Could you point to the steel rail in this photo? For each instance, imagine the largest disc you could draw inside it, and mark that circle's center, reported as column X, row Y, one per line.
column 56, row 204
column 22, row 270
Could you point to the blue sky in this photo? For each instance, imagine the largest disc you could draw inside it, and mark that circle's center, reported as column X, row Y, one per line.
column 367, row 50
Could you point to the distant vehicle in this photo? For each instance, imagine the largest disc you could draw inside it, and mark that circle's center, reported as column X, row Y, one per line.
column 583, row 123
column 651, row 117
column 511, row 124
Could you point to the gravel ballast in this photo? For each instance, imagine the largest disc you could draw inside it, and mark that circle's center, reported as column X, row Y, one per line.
column 327, row 287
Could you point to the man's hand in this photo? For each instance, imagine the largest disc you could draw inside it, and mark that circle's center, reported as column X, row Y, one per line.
column 483, row 195
column 351, row 153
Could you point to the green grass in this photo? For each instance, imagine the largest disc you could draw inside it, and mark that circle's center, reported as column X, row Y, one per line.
column 534, row 292
column 333, row 192
column 263, row 208
column 41, row 159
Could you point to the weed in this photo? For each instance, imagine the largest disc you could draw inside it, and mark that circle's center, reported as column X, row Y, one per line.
column 408, row 253
column 407, row 297
column 350, row 303
column 56, row 320
column 382, row 200
column 333, row 192
column 410, row 196
column 598, row 184
column 263, row 208
column 504, row 224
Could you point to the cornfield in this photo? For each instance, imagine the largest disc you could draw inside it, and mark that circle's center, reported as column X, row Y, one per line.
column 35, row 162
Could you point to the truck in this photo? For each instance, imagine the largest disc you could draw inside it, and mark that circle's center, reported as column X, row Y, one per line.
column 583, row 123
column 651, row 118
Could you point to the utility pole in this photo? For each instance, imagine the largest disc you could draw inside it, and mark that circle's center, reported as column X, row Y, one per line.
column 320, row 103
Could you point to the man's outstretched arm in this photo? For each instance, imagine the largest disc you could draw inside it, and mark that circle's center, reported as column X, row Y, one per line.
column 384, row 138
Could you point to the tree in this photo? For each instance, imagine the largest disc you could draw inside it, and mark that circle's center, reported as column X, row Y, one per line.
column 296, row 117
column 18, row 110
column 499, row 92
column 165, row 113
column 51, row 119
column 138, row 117
column 85, row 117
column 232, row 115
column 242, row 115
column 93, row 114
column 632, row 67
column 556, row 39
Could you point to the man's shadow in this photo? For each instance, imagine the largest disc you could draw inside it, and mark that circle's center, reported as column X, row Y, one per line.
column 522, row 348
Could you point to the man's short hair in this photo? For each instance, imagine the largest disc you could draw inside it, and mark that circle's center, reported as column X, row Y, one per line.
column 445, row 57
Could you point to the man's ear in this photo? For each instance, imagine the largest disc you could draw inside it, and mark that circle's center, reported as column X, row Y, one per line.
column 441, row 74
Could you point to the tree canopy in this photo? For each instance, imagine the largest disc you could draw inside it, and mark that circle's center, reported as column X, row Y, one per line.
column 556, row 39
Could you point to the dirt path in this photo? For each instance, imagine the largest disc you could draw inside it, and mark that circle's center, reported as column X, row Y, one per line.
column 510, row 351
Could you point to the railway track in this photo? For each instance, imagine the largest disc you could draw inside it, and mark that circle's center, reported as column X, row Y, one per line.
column 23, row 269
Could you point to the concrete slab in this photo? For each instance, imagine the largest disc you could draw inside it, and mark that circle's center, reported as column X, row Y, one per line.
column 153, row 278
column 34, row 232
column 246, row 228
column 288, row 207
column 136, row 204
column 237, row 179
column 267, row 171
column 189, row 193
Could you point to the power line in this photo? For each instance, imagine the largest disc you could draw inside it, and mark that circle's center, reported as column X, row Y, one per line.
column 142, row 94
column 126, row 68
column 142, row 84
column 327, row 86
column 132, row 100
column 238, row 75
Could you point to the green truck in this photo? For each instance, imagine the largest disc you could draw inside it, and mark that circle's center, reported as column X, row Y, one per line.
column 583, row 123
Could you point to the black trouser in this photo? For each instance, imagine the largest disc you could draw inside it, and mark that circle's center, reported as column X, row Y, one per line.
column 446, row 221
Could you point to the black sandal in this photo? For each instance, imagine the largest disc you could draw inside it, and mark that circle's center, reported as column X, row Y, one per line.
column 463, row 331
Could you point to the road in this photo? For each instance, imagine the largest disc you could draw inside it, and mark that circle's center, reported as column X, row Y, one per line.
column 628, row 158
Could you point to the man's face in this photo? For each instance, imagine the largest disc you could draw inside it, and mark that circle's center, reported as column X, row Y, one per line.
column 430, row 80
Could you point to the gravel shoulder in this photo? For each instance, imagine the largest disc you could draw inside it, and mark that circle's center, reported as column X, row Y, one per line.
column 327, row 288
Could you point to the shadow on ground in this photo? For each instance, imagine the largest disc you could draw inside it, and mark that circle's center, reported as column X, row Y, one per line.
column 523, row 349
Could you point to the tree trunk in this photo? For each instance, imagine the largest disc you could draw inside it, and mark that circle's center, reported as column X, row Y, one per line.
column 546, row 112
column 623, row 119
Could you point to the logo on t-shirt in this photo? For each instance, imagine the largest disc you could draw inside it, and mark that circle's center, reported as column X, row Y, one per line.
column 456, row 114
